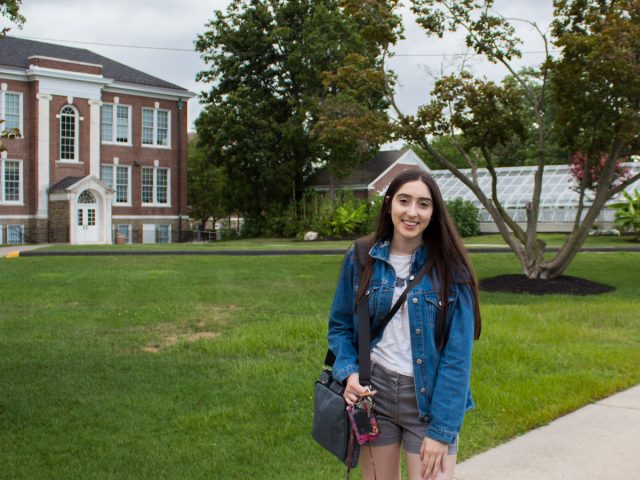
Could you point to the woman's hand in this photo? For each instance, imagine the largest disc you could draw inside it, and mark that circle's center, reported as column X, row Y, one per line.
column 432, row 454
column 353, row 390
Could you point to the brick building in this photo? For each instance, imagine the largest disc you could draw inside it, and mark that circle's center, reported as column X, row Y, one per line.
column 102, row 151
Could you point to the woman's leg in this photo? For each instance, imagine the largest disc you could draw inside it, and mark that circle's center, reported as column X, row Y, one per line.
column 414, row 465
column 380, row 463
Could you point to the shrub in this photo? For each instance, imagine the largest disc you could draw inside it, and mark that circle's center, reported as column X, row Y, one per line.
column 350, row 220
column 628, row 213
column 374, row 206
column 465, row 216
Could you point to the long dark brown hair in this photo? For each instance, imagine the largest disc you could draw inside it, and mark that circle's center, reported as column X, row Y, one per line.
column 447, row 259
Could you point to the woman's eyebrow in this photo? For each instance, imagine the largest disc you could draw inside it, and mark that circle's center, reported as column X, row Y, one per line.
column 406, row 195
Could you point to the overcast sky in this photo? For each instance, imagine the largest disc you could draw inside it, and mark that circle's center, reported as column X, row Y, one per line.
column 175, row 24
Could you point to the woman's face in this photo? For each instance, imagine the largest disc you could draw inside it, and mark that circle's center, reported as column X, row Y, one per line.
column 411, row 210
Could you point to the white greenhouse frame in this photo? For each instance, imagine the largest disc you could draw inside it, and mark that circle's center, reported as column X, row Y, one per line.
column 558, row 202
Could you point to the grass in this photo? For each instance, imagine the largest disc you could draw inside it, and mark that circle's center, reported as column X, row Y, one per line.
column 203, row 367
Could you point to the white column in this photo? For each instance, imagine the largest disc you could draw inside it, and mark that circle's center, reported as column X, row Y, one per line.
column 43, row 154
column 94, row 138
column 108, row 219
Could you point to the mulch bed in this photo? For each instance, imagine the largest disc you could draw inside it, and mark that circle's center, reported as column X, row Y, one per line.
column 565, row 285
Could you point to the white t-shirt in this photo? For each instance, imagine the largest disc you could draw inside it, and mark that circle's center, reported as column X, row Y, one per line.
column 393, row 351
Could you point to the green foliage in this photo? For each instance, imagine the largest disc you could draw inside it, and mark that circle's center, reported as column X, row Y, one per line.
column 11, row 10
column 596, row 78
column 374, row 206
column 345, row 216
column 628, row 213
column 292, row 84
column 205, row 186
column 348, row 220
column 465, row 216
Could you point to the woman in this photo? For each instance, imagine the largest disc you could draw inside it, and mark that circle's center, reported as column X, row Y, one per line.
column 421, row 362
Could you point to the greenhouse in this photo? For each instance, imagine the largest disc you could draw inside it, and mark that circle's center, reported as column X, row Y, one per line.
column 558, row 204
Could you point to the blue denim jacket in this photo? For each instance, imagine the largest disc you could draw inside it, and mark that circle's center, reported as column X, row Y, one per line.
column 441, row 378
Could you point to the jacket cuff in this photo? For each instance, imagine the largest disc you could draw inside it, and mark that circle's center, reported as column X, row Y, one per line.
column 442, row 435
column 343, row 373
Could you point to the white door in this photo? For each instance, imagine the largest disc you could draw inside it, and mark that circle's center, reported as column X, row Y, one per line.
column 87, row 219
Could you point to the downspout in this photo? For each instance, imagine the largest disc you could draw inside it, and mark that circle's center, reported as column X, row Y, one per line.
column 180, row 146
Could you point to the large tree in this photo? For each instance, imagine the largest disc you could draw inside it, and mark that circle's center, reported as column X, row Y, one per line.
column 294, row 85
column 206, row 186
column 594, row 86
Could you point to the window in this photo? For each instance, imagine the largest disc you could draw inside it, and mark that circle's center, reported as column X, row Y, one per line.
column 155, row 186
column 122, row 185
column 106, row 174
column 155, row 127
column 147, row 126
column 162, row 185
column 115, row 123
column 164, row 233
column 11, row 181
column 152, row 233
column 15, row 234
column 11, row 110
column 68, row 134
column 107, row 123
column 147, row 185
column 120, row 182
column 124, row 230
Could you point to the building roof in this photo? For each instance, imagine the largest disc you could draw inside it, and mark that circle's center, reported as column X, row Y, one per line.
column 365, row 173
column 15, row 52
column 65, row 183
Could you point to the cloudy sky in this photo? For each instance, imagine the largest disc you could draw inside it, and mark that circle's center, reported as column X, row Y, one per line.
column 114, row 28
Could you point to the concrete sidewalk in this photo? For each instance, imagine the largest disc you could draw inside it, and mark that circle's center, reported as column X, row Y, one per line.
column 600, row 441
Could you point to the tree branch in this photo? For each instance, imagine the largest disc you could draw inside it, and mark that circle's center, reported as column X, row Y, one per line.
column 623, row 185
column 515, row 228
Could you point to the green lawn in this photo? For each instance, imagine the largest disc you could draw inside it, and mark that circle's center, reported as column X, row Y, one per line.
column 203, row 367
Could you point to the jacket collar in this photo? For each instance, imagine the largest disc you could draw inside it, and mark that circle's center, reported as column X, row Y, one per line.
column 382, row 249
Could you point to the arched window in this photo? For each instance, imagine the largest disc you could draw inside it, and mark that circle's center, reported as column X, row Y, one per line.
column 68, row 134
column 87, row 197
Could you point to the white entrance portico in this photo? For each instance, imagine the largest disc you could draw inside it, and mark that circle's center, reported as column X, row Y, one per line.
column 89, row 209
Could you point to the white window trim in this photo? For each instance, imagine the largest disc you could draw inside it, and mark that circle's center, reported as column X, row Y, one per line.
column 21, row 233
column 114, row 178
column 20, row 201
column 1, row 230
column 155, row 203
column 76, row 147
column 155, row 128
column 3, row 125
column 114, row 127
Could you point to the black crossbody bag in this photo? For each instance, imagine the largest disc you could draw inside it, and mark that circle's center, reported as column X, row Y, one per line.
column 331, row 426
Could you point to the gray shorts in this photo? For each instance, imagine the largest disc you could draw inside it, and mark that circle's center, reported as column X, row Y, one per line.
column 397, row 411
